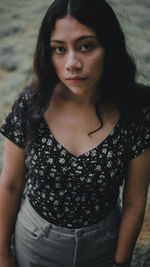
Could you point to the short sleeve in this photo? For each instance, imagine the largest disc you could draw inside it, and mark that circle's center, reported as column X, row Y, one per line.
column 14, row 125
column 139, row 135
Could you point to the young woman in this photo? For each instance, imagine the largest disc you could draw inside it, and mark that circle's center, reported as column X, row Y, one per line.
column 73, row 136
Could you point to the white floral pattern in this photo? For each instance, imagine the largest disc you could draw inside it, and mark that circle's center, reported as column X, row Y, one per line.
column 74, row 191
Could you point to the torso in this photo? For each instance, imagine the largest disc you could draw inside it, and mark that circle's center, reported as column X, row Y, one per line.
column 72, row 191
column 70, row 126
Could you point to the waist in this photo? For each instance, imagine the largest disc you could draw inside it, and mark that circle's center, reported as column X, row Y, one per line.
column 28, row 213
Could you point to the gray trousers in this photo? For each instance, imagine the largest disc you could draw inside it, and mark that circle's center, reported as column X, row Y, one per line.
column 39, row 243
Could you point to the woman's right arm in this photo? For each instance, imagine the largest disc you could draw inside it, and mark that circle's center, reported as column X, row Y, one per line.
column 12, row 182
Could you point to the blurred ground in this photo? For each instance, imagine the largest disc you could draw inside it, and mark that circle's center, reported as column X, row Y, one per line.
column 19, row 24
column 144, row 237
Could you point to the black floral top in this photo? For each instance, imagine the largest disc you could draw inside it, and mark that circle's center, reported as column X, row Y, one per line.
column 72, row 191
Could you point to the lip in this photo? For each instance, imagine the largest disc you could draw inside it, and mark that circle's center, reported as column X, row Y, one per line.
column 76, row 78
column 76, row 81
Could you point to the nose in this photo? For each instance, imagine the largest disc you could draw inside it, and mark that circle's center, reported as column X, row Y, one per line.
column 73, row 61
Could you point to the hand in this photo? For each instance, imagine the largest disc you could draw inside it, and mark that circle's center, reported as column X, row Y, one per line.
column 8, row 261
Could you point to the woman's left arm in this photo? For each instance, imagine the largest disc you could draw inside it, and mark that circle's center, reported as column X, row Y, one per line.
column 134, row 203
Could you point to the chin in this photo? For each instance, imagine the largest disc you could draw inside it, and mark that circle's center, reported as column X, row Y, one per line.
column 77, row 91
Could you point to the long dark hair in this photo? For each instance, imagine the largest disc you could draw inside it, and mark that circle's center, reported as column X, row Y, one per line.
column 118, row 82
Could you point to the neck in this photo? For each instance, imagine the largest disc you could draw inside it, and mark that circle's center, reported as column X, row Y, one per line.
column 82, row 102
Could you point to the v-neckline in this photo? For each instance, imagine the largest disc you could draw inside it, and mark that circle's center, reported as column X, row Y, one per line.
column 111, row 133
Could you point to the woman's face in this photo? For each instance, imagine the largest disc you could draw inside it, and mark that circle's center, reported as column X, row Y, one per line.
column 77, row 56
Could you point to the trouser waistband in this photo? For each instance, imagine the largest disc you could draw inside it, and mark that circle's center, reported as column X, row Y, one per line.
column 110, row 222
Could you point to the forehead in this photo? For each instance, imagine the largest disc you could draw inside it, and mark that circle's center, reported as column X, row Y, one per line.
column 70, row 28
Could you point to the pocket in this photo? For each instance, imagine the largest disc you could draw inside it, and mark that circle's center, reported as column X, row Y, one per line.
column 29, row 228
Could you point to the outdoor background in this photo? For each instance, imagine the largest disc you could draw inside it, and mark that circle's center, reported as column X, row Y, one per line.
column 19, row 25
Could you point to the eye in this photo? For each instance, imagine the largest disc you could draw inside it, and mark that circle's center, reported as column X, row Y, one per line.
column 58, row 49
column 86, row 47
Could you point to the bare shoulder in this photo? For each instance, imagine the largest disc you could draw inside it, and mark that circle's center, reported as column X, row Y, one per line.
column 137, row 180
column 140, row 165
column 13, row 172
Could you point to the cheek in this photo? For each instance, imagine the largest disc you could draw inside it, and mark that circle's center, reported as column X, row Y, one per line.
column 96, row 69
column 99, row 59
column 96, row 66
column 57, row 64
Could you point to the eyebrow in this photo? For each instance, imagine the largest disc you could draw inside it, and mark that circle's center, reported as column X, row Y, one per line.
column 78, row 39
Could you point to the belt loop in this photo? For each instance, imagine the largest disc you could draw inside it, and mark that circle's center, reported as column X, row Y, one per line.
column 45, row 230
